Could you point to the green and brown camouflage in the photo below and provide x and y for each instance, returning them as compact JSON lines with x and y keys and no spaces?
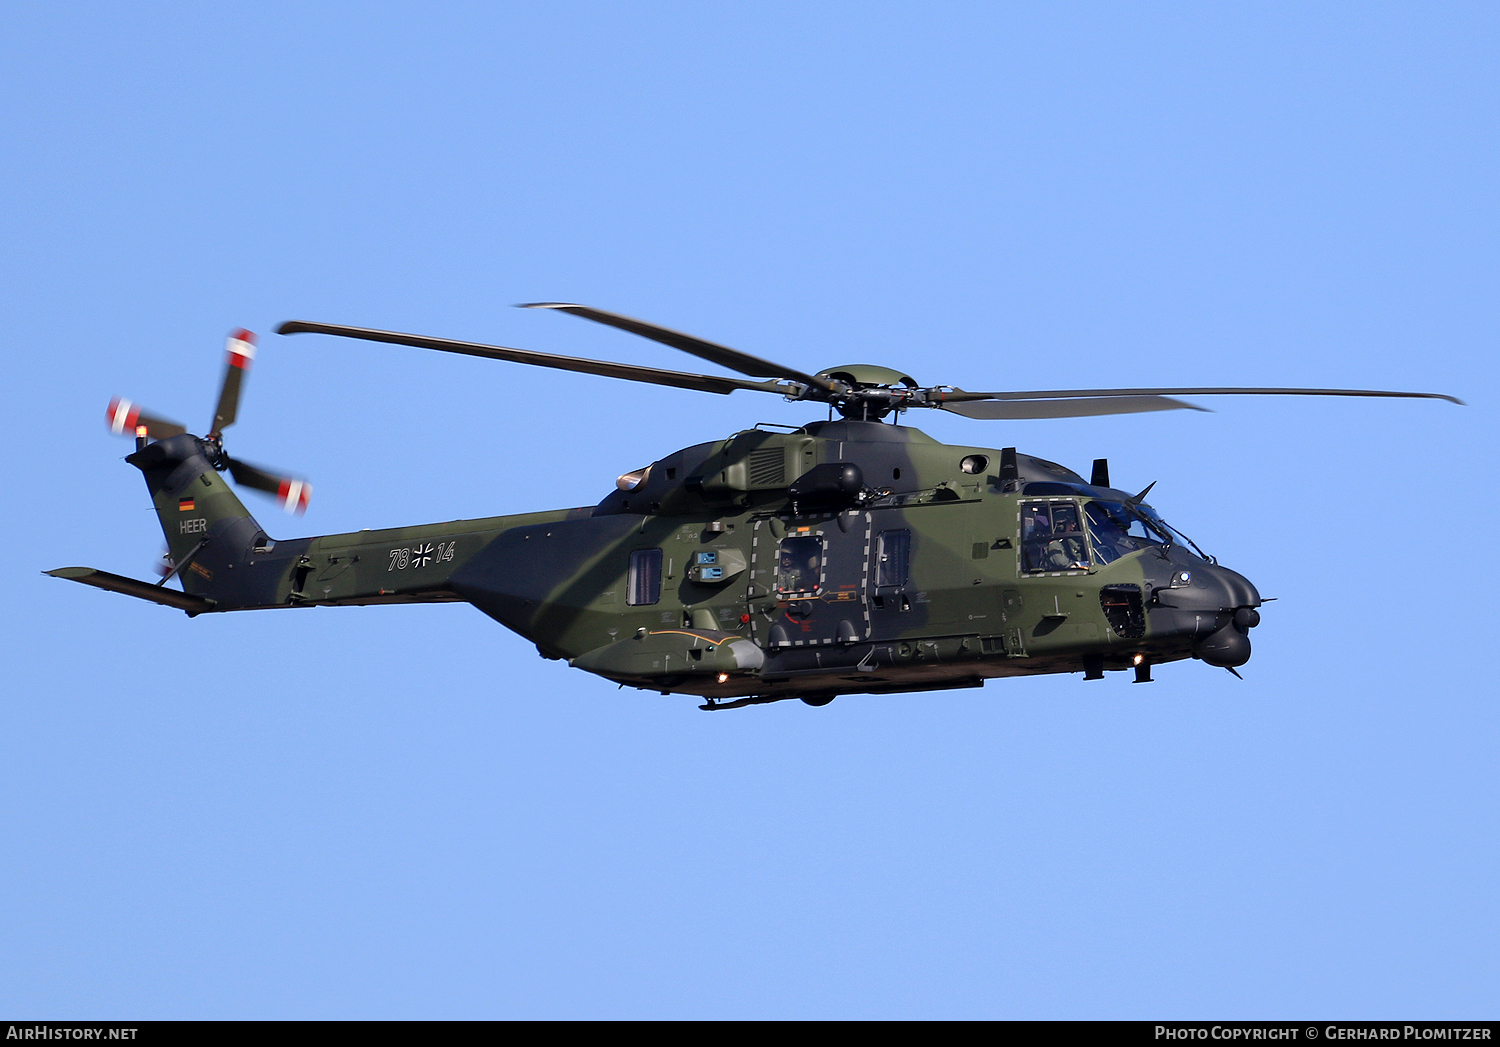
{"x":840,"y":557}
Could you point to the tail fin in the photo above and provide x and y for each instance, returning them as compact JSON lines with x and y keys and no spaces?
{"x":207,"y":527}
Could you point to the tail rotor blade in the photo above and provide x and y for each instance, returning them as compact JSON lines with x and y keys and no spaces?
{"x":293,"y":494}
{"x":247,"y":475}
{"x":125,"y":418}
{"x":241,"y":352}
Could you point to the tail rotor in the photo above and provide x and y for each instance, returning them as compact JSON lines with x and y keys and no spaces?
{"x":127,"y":418}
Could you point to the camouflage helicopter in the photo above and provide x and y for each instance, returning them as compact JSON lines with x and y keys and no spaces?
{"x":848,"y":555}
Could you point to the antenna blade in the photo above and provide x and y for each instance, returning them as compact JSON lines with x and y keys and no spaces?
{"x":124,"y":417}
{"x":703,"y":383}
{"x":722,"y":355}
{"x":241,"y":353}
{"x":1010,"y":469}
{"x":960,"y":396}
{"x":1069,"y":408}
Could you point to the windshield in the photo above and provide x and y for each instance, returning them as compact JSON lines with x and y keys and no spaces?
{"x":1116,"y":531}
{"x":1166,"y":530}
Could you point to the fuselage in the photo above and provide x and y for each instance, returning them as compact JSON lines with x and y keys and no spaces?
{"x":842,"y":557}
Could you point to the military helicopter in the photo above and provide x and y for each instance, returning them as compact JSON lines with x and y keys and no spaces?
{"x":847,"y":555}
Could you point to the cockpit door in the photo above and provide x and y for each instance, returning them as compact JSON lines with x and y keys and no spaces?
{"x":817,"y":573}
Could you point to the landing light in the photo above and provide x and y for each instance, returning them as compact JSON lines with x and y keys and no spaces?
{"x":723,"y":677}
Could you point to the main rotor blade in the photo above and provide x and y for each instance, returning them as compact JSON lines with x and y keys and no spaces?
{"x":1067,"y":408}
{"x":722,"y":355}
{"x":124,"y":417}
{"x":959,"y":395}
{"x":703,"y":383}
{"x":293,"y":494}
{"x":241,"y":351}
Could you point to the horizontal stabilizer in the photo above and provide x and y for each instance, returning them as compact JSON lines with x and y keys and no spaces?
{"x":118,"y":583}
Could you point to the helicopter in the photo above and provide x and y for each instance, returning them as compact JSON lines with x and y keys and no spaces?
{"x":848,"y":555}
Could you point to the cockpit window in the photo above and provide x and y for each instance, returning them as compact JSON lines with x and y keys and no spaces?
{"x":1116,"y":531}
{"x":1052,"y":537}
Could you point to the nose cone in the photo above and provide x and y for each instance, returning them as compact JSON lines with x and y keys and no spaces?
{"x":1208,"y":588}
{"x":1235,"y":587}
{"x":1228,"y":647}
{"x":1217,"y":605}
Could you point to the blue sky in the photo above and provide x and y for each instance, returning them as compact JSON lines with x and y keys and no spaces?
{"x":403,"y":812}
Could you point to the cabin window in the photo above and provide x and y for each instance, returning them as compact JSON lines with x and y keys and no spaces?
{"x":1052,"y":537}
{"x":644,"y":585}
{"x":799,"y":571}
{"x":1116,"y":531}
{"x":892,"y":555}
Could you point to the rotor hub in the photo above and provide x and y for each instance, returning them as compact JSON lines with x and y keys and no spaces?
{"x":869,"y":392}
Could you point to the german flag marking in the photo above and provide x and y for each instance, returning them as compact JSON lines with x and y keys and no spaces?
{"x":184,"y":505}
